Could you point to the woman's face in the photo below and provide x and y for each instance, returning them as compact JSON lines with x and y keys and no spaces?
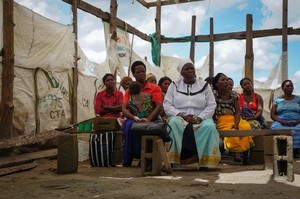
{"x":247,"y":86}
{"x":188,"y":71}
{"x":222,"y":83}
{"x":230,"y":84}
{"x":109,"y":82}
{"x":288,"y":87}
{"x":152,"y":80}
{"x":165,"y":85}
{"x":140,"y":73}
{"x":126,"y":85}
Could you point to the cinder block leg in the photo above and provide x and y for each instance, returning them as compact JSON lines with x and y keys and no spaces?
{"x":151,"y":160}
{"x":67,"y":154}
{"x":283,"y":162}
{"x":163,"y":154}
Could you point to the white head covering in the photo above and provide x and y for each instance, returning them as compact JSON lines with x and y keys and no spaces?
{"x":183,"y":62}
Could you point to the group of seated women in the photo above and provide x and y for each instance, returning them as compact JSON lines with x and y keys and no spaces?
{"x":194,"y":110}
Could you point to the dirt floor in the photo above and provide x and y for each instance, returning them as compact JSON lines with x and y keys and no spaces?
{"x":228,"y":180}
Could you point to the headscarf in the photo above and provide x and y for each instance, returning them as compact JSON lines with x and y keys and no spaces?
{"x":149,"y":75}
{"x":124,"y":80}
{"x":183,"y":62}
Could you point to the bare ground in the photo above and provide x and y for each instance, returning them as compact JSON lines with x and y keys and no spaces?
{"x":228,"y":180}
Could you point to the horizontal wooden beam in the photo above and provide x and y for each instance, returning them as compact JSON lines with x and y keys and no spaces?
{"x":86,"y":7}
{"x":17,"y":168}
{"x":242,"y":133}
{"x":170,"y":2}
{"x":26,"y":157}
{"x":23,"y":140}
{"x":144,"y":3}
{"x":236,"y":35}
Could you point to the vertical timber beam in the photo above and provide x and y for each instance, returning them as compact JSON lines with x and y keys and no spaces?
{"x":284,"y":62}
{"x":211,"y":48}
{"x":75,"y":71}
{"x":112,"y":19}
{"x":249,"y":58}
{"x":193,"y":33}
{"x":158,"y":28}
{"x":7,"y":106}
{"x":113,"y":24}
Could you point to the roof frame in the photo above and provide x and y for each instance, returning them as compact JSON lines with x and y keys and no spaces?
{"x":165,"y":2}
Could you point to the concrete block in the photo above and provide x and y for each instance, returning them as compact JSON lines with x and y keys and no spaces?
{"x":297,"y":166}
{"x":257,"y":157}
{"x":259,"y":143}
{"x":268,"y":161}
{"x":151,"y":160}
{"x":268,"y":145}
{"x":283,"y":163}
{"x":118,"y":141}
{"x":118,"y":157}
{"x":67,"y":154}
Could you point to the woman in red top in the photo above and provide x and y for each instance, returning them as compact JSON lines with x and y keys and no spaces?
{"x":132,"y":144}
{"x":251,"y":105}
{"x":109,"y":101}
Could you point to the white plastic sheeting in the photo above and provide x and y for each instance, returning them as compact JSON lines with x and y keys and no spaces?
{"x":41,"y":42}
{"x":274,"y":79}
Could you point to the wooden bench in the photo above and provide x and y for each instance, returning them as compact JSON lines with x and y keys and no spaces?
{"x":261,"y":132}
{"x":277,"y":149}
{"x":153,"y":156}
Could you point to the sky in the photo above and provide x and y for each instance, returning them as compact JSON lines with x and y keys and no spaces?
{"x":228,"y":15}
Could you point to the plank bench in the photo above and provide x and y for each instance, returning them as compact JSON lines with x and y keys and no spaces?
{"x":275,"y":147}
{"x":261,"y":132}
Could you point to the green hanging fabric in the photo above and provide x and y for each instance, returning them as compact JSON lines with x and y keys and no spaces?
{"x":155,"y":49}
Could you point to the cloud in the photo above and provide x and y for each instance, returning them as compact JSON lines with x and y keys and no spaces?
{"x":48,"y":9}
{"x":242,"y":6}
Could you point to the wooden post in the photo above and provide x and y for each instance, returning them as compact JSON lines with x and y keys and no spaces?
{"x":211,"y":48}
{"x":193,"y":32}
{"x":113,"y":24}
{"x":7,"y":106}
{"x":75,"y":71}
{"x":158,"y":28}
{"x":284,"y":61}
{"x":112,"y":20}
{"x":249,"y":48}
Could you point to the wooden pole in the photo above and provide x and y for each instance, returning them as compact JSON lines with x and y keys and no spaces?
{"x":86,"y":7}
{"x":193,"y":33}
{"x":75,"y":71}
{"x":112,"y":20}
{"x":249,"y":58}
{"x":211,"y":48}
{"x":7,"y":106}
{"x":284,"y":61}
{"x":113,"y":25}
{"x":158,"y":28}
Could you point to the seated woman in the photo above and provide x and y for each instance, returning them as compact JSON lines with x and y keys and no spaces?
{"x":285,"y":112}
{"x":124,"y":83}
{"x":190,"y":103}
{"x":150,"y":77}
{"x":227,"y":115}
{"x":230,"y":83}
{"x":251,"y":105}
{"x":109,"y":101}
{"x":164,"y":83}
{"x":209,"y":80}
{"x":132,"y":144}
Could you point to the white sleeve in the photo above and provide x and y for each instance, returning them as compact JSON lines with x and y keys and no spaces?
{"x":211,"y":104}
{"x":168,"y":103}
